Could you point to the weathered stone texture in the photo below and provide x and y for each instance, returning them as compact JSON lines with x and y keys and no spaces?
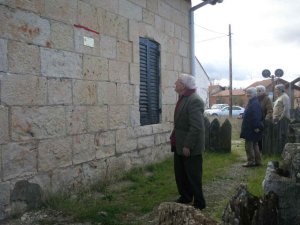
{"x":66,"y":178}
{"x":54,"y":153}
{"x":84,"y":92}
{"x":107,"y":93}
{"x":36,"y":6}
{"x":23,"y":90}
{"x":124,"y":94}
{"x":77,"y":107}
{"x":87,"y":16}
{"x":19,"y":159}
{"x":130,"y":10}
{"x":59,"y":91}
{"x":119,"y":71}
{"x":4,"y":193}
{"x":62,"y":36}
{"x":24,"y":26}
{"x":37,"y":122}
{"x":144,"y":142}
{"x":168,"y":97}
{"x":76,"y":119}
{"x":97,"y":118}
{"x":60,"y":63}
{"x":4,"y":135}
{"x":83,"y":148}
{"x":61,"y":10}
{"x":125,"y":140}
{"x":3,"y":55}
{"x":108,"y":47}
{"x":124,"y":51}
{"x":23,"y":58}
{"x":118,"y":116}
{"x":95,"y":68}
{"x":134,"y":74}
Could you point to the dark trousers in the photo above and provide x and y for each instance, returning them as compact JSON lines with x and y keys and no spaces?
{"x":188,"y":175}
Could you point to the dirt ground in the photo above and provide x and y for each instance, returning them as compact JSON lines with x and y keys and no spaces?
{"x":221,"y":189}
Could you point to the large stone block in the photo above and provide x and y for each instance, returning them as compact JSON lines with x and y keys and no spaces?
{"x":105,"y":144}
{"x":76,"y":119}
{"x":37,"y":122}
{"x":36,"y":6}
{"x":168,"y":96}
{"x":84,"y":92}
{"x":118,"y":116}
{"x":83,"y":148}
{"x":130,"y":10}
{"x":59,"y":91}
{"x":61,"y":10}
{"x":4,"y":135}
{"x":87,"y":15}
{"x":119,"y":71}
{"x":54,"y":153}
{"x":107,"y":93}
{"x":134,"y":73}
{"x":23,"y":90}
{"x":56,"y":63}
{"x":24,"y":26}
{"x":66,"y":178}
{"x":19,"y":159}
{"x":108,"y":47}
{"x":95,"y":68}
{"x":125,"y":140}
{"x":97,"y":118}
{"x":62,"y":36}
{"x":144,"y":142}
{"x":3,"y":55}
{"x":125,"y":94}
{"x":109,"y":5}
{"x":23,"y":58}
{"x":124,"y":51}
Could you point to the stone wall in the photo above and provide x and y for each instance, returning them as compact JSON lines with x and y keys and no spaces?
{"x":69,"y":113}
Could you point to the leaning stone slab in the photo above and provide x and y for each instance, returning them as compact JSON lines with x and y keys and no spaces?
{"x":25,"y":196}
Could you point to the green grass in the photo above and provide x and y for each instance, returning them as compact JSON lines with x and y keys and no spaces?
{"x":140,"y":190}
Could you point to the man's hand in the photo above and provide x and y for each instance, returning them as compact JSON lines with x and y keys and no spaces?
{"x":256,"y":130}
{"x":186,"y":151}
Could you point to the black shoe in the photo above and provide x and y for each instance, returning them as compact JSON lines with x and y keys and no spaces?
{"x":196,"y":206}
{"x":182,"y":201}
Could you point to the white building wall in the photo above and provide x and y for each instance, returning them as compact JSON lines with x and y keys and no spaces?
{"x":203,"y":82}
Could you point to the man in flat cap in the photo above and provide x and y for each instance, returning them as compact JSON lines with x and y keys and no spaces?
{"x":282,"y":105}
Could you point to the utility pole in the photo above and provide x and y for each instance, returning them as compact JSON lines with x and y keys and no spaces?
{"x":230,"y":73}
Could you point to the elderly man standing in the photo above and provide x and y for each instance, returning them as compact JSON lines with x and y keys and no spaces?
{"x":282,"y":105}
{"x":188,"y":142}
{"x":267,"y":109}
{"x":252,"y":127}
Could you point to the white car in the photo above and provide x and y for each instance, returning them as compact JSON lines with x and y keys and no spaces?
{"x":215,"y":109}
{"x":237,"y":111}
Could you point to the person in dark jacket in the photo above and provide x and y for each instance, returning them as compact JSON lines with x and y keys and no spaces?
{"x":252,"y":127}
{"x":188,"y":142}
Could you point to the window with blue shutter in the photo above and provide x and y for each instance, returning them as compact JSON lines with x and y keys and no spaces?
{"x":149,"y":82}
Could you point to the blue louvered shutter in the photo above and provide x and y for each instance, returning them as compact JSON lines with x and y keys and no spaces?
{"x":149,"y":82}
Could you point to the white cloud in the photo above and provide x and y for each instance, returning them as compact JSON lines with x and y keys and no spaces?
{"x":265,"y":35}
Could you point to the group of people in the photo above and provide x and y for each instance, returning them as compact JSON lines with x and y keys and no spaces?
{"x":188,"y":136}
{"x":259,"y":109}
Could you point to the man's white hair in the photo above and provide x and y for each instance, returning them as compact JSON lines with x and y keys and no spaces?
{"x":260,"y":89}
{"x":188,"y":80}
{"x":251,"y":91}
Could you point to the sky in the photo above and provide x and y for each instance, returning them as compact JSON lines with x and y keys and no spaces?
{"x":265,"y":34}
